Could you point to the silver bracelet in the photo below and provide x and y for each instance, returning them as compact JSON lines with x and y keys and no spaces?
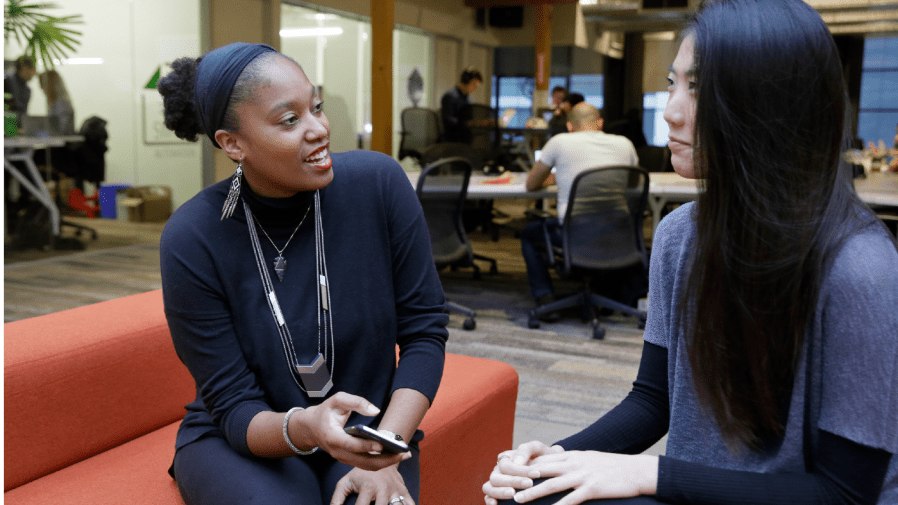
{"x":287,"y":436}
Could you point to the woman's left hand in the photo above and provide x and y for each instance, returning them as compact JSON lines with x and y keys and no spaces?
{"x":592,"y":475}
{"x":379,"y":486}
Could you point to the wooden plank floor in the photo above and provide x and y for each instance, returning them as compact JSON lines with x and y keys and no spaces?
{"x":567,"y":379}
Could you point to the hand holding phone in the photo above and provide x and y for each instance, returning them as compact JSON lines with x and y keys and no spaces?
{"x":392,"y":443}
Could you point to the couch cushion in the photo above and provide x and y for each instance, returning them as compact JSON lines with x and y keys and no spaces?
{"x":470,"y":422}
{"x":135,"y":473}
{"x":76,"y":387}
{"x":84,"y":380}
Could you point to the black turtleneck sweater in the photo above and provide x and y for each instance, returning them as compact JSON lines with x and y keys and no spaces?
{"x":384,"y":291}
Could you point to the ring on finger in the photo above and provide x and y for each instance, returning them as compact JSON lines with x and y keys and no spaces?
{"x":502,"y":456}
{"x":398,"y":499}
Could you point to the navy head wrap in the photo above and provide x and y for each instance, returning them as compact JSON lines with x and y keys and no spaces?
{"x":215,"y":78}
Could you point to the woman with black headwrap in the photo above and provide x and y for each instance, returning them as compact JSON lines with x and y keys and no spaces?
{"x":287,"y":290}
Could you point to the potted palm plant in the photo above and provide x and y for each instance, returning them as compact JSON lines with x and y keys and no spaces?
{"x":45,"y":37}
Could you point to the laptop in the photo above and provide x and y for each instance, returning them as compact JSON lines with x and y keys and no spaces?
{"x":39,"y":126}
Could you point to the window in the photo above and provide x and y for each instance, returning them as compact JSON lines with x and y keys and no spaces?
{"x":654,"y":126}
{"x":517,"y":93}
{"x":878,"y":114}
{"x":591,"y":87}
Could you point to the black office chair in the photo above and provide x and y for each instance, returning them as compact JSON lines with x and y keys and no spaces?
{"x":654,"y":158}
{"x":420,"y":129}
{"x":479,"y":213}
{"x":601,"y":233}
{"x":442,"y":188}
{"x":891,"y":222}
{"x":84,"y":162}
{"x":440,"y":150}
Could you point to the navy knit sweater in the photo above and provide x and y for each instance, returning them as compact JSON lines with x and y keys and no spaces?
{"x":384,"y":291}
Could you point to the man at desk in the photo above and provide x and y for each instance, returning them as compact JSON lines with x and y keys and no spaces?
{"x":454,"y":101}
{"x":16,"y":84}
{"x":559,"y":120}
{"x":585,"y":147}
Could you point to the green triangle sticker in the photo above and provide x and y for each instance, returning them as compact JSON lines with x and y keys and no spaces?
{"x":154,"y":79}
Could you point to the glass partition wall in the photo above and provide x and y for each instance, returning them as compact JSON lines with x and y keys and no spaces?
{"x":112,"y":74}
{"x":335,"y":53}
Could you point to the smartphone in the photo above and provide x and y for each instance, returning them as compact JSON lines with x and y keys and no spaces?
{"x":390,"y":445}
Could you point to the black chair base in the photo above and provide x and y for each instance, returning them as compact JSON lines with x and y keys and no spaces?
{"x":469,"y":323}
{"x":590,"y":302}
{"x":476,"y":268}
{"x":493,"y":268}
{"x":79,"y":229}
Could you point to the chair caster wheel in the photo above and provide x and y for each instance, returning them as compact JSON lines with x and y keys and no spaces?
{"x":598,"y":331}
{"x":469,"y":324}
{"x":532,"y":322}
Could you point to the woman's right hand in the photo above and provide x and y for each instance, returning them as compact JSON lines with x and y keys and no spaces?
{"x":324,"y":425}
{"x":512,"y":471}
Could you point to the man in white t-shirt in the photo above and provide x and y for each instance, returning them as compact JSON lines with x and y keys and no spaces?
{"x":585,"y":147}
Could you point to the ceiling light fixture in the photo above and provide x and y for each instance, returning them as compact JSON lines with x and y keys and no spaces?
{"x":311,"y":32}
{"x":79,"y":61}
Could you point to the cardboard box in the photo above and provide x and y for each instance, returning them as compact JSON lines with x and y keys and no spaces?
{"x":148,"y":203}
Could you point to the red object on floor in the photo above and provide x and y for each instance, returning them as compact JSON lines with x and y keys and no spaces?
{"x":78,"y":201}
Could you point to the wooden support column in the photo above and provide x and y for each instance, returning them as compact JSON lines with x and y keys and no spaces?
{"x":382,"y":14}
{"x":543,"y":46}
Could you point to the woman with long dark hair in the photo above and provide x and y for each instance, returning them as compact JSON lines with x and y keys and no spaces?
{"x":771,"y":347}
{"x":287,"y":291}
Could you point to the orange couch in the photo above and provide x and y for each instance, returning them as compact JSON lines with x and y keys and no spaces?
{"x":94,"y":395}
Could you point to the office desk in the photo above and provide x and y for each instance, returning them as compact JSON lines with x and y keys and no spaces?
{"x":505,"y":139}
{"x":877,"y":189}
{"x":477,"y":190}
{"x":21,"y":148}
{"x":668,"y":187}
{"x":533,"y":139}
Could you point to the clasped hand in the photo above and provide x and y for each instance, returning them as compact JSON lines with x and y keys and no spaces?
{"x":587,"y":474}
{"x":326,"y":422}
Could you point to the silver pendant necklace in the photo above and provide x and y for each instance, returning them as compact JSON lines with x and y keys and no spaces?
{"x":280,"y":264}
{"x":317,"y":376}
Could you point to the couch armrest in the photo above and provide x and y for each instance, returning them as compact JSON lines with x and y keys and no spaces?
{"x":470,"y":422}
{"x":81,"y":381}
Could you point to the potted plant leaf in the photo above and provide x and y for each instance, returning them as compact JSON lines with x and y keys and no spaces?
{"x":44,"y":37}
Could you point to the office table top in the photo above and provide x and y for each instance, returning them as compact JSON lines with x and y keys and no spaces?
{"x":38,"y":142}
{"x":878,"y":188}
{"x":488,"y":187}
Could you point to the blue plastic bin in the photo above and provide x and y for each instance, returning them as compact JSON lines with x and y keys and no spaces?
{"x":108,"y":199}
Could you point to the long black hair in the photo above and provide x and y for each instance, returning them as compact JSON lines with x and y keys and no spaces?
{"x":778,"y":203}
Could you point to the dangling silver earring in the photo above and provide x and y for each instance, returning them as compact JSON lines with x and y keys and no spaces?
{"x":233,"y":194}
